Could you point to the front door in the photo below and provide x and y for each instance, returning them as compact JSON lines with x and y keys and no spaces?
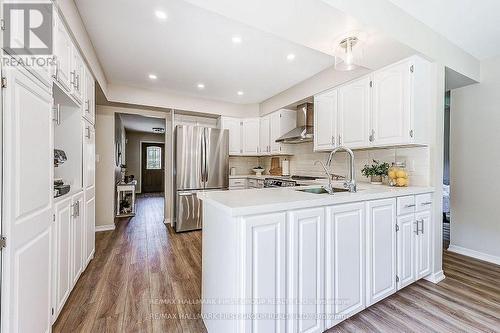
{"x":153,"y":167}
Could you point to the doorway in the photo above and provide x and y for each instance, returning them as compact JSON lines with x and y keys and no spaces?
{"x":152,"y":167}
{"x":446,"y":172}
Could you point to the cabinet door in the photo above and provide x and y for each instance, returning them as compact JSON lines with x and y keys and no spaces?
{"x":64,"y":283}
{"x":77,"y":78}
{"x":325,"y":120}
{"x":306,"y":270}
{"x":250,"y":136}
{"x":265,"y":276}
{"x":423,"y":244}
{"x":391,"y":105}
{"x":89,"y":96}
{"x":89,"y":215}
{"x":406,"y":239}
{"x":381,"y":250}
{"x":233,"y":125}
{"x":27,"y":204}
{"x":88,"y":156}
{"x":275,"y":132}
{"x":354,"y":103}
{"x":264,"y":133}
{"x":78,"y":234}
{"x":345,"y":262}
{"x":62,"y":51}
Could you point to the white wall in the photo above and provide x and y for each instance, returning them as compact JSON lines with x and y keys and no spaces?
{"x":474,"y":160}
{"x":134,"y":152}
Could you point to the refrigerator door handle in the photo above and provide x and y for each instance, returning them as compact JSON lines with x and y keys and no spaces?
{"x":205,"y":156}
{"x":202,"y":160}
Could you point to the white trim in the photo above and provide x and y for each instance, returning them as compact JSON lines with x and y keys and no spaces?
{"x":106,"y":227}
{"x":474,"y":254}
{"x":435,"y":277}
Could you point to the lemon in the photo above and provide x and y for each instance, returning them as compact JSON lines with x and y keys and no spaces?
{"x":401,"y":174}
{"x":402,"y":182}
{"x":392,"y":174}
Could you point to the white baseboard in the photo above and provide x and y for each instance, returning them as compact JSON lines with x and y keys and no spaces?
{"x":474,"y":254}
{"x":106,"y":227}
{"x":435,"y":277}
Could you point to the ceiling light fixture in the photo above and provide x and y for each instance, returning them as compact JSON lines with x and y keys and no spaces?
{"x":240,"y":93}
{"x":200,"y":86}
{"x":153,"y":76}
{"x":236,"y":40}
{"x":348,"y":54}
{"x":161,"y":15}
{"x":290,"y":57}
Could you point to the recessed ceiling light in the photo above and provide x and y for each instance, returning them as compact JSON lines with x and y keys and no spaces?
{"x":161,"y":15}
{"x":236,"y":40}
{"x":153,"y":76}
{"x":200,"y":86}
{"x":290,"y":57}
{"x":240,"y":93}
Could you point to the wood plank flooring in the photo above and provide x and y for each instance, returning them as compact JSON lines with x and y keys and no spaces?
{"x":145,"y":276}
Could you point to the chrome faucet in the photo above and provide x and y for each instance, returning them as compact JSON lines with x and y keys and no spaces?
{"x":351,"y":183}
{"x":329,"y":187}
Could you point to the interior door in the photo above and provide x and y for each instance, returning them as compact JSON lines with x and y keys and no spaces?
{"x":153,"y":167}
{"x":27,"y":203}
{"x":216,"y":157}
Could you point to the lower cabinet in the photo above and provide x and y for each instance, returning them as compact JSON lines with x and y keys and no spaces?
{"x":89,"y":247}
{"x":345,"y":262}
{"x":265,"y":277}
{"x":423,"y":246}
{"x":406,"y":250}
{"x":305,"y":270}
{"x":78,"y":234}
{"x":381,"y":251}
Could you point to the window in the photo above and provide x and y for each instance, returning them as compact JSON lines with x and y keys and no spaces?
{"x":153,"y":158}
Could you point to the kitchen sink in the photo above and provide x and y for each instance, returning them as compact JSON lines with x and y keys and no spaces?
{"x":321,"y":190}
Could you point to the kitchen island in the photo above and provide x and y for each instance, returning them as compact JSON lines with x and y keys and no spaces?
{"x":280,"y":259}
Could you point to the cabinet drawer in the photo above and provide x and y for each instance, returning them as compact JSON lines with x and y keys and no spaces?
{"x":252,"y":183}
{"x":406,"y":205}
{"x":238,"y":182}
{"x":423,"y":202}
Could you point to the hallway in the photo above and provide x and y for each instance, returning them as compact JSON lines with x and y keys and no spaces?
{"x":142,"y":266}
{"x":137,"y":270}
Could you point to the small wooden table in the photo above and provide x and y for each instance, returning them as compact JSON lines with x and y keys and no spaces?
{"x":121,"y":191}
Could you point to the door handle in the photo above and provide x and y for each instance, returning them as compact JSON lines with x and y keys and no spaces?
{"x":416,"y":225}
{"x":185,"y":194}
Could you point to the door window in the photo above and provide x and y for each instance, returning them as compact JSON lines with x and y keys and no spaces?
{"x":153,"y":158}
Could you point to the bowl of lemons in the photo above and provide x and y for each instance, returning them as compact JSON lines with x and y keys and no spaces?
{"x":398,"y":176}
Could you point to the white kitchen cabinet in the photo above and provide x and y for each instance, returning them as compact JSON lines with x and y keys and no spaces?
{"x":381,"y":250}
{"x":344,"y":262}
{"x":282,"y":121}
{"x":89,"y":189}
{"x":406,"y":239}
{"x":63,"y":254}
{"x":238,"y":183}
{"x":77,"y":75}
{"x":423,"y":248}
{"x":265,"y":272}
{"x":250,"y":136}
{"x":265,"y":135}
{"x":77,"y":237}
{"x":305,"y":275}
{"x":354,"y":100}
{"x":89,"y":96}
{"x":63,"y":50}
{"x":325,"y":120}
{"x":233,"y":125}
{"x":27,"y":202}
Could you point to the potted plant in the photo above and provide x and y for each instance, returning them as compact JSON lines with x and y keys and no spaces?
{"x":376,"y":171}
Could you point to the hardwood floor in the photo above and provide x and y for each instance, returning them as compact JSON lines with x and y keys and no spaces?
{"x":144,"y":277}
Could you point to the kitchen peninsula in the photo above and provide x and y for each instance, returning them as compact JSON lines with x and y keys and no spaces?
{"x":281,"y":259}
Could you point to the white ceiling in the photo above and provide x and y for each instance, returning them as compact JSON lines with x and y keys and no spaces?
{"x":194,"y":46}
{"x":137,"y":123}
{"x":473,"y":25}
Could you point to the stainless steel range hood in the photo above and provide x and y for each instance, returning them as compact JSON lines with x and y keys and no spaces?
{"x":304,"y":131}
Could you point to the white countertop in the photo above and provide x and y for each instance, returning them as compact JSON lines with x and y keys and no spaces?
{"x":249,"y":176}
{"x":260,"y":201}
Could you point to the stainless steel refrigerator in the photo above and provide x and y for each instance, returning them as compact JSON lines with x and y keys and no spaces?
{"x":201,"y":164}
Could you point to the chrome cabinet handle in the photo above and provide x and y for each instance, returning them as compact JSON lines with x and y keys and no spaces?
{"x":409,"y":206}
{"x":333,"y":140}
{"x":87,"y":106}
{"x":416,"y":227}
{"x":88,"y":132}
{"x":340,"y":140}
{"x":411,"y":133}
{"x":426,"y":203}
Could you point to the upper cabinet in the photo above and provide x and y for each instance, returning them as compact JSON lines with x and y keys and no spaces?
{"x":257,"y":136}
{"x":63,"y":48}
{"x":325,"y":120}
{"x":389,"y":107}
{"x":89,"y":96}
{"x":77,"y":75}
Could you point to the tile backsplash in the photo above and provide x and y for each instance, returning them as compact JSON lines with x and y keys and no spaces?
{"x":417,"y":161}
